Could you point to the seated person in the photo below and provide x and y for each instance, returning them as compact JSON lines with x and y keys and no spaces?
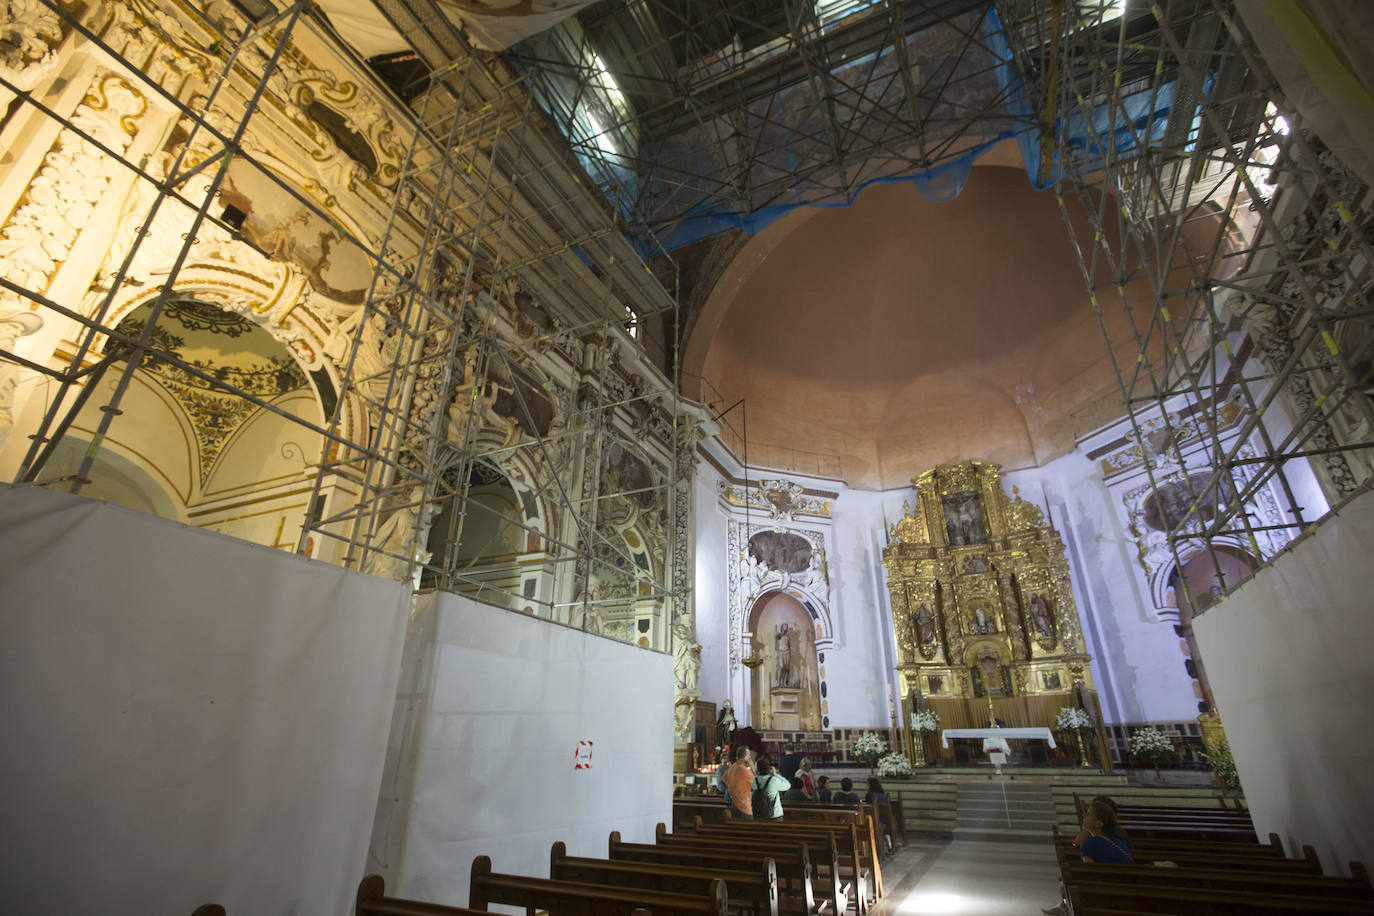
{"x":797,"y":792}
{"x":823,"y":788}
{"x":845,"y":796}
{"x":875,"y":791}
{"x":1102,"y":844}
{"x":1100,"y":840}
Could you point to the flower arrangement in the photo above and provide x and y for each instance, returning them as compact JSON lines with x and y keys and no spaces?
{"x":894,"y":765}
{"x":869,"y":747}
{"x":927,"y":721}
{"x":1151,"y":747}
{"x":1072,"y":720}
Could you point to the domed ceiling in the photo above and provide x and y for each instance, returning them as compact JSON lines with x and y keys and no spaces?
{"x":897,"y":333}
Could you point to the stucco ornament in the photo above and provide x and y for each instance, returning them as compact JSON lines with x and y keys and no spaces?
{"x":13,"y":325}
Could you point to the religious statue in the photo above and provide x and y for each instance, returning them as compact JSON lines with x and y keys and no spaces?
{"x":399,"y":543}
{"x":726,"y":725}
{"x":686,"y":657}
{"x":980,"y":621}
{"x":989,"y":671}
{"x":786,"y":672}
{"x":1040,"y":616}
{"x":925,"y":625}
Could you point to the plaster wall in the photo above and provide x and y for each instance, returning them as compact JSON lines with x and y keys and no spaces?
{"x":1137,"y":663}
{"x":492,"y":707}
{"x":189,"y":718}
{"x":712,"y":590}
{"x":860,"y":670}
{"x":1287,"y":656}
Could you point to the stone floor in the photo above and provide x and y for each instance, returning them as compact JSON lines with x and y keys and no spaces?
{"x":970,"y":879}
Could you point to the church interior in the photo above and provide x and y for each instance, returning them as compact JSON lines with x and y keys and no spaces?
{"x":439,"y":429}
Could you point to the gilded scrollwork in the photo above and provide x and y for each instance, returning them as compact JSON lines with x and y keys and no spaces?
{"x":987,"y":588}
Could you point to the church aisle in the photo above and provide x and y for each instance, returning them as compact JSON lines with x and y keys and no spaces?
{"x":970,"y":878}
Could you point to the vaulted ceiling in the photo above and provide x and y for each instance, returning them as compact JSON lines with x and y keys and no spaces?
{"x":876,"y":340}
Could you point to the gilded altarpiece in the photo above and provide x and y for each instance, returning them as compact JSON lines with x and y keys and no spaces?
{"x":982,"y":605}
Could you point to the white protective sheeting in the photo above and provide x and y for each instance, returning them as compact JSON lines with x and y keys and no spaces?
{"x":188,"y":718}
{"x":490,"y":26}
{"x":1288,"y":657}
{"x":483,"y":747}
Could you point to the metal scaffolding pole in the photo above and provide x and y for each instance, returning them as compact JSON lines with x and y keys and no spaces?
{"x":1224,"y":255}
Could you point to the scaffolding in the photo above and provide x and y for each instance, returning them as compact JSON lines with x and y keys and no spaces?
{"x":702,"y":117}
{"x":1226,"y":254}
{"x":502,"y":411}
{"x":511,"y":339}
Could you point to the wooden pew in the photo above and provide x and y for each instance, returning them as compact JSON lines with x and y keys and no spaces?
{"x":1221,"y":856}
{"x":793,"y":868}
{"x":853,"y":872}
{"x":827,"y":893}
{"x":570,"y":898}
{"x":372,"y":900}
{"x":1210,"y":877}
{"x":755,"y":890}
{"x":1097,"y":899}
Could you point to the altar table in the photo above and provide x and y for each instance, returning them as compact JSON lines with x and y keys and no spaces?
{"x":995,"y":739}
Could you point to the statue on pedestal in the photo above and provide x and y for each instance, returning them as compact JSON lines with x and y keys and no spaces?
{"x":786,"y":672}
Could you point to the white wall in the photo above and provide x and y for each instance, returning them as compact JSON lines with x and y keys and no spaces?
{"x":860,"y":670}
{"x":483,"y":751}
{"x":188,"y":718}
{"x":1288,"y":656}
{"x":712,"y":596}
{"x":1137,"y":664}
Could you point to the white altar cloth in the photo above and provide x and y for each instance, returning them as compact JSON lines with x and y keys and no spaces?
{"x":995,"y":739}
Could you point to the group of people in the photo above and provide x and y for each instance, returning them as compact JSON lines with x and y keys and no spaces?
{"x":755,"y":788}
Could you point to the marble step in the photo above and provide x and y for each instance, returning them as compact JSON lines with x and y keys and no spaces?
{"x":1003,"y":834}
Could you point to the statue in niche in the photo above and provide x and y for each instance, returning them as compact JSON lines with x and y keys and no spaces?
{"x":1050,"y":680}
{"x":975,"y":564}
{"x":726,"y":725}
{"x":988,"y":668}
{"x":925,"y":625}
{"x":786,"y":673}
{"x":964,"y":519}
{"x":1040,"y":617}
{"x":980,"y":621}
{"x":935,"y":684}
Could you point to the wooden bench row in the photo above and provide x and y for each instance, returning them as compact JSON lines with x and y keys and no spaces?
{"x":1208,"y":870}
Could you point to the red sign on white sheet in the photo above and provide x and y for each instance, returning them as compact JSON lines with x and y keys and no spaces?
{"x":582,"y":757}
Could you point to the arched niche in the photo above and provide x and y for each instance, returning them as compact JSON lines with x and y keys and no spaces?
{"x":1209,"y":574}
{"x":185,"y":448}
{"x":785,"y":688}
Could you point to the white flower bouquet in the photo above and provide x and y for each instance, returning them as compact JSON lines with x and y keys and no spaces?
{"x":926,"y":721}
{"x":1070,"y":719}
{"x":1151,"y":746}
{"x":869,"y":747}
{"x":894,"y":766}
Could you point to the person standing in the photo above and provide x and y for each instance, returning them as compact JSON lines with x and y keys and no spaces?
{"x":791,"y":760}
{"x":767,"y":788}
{"x":808,"y":781}
{"x":738,"y":780}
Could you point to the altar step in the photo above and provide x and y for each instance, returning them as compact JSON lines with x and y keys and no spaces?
{"x":1004,"y":812}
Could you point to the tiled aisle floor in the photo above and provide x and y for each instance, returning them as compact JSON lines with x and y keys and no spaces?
{"x":969,"y":879}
